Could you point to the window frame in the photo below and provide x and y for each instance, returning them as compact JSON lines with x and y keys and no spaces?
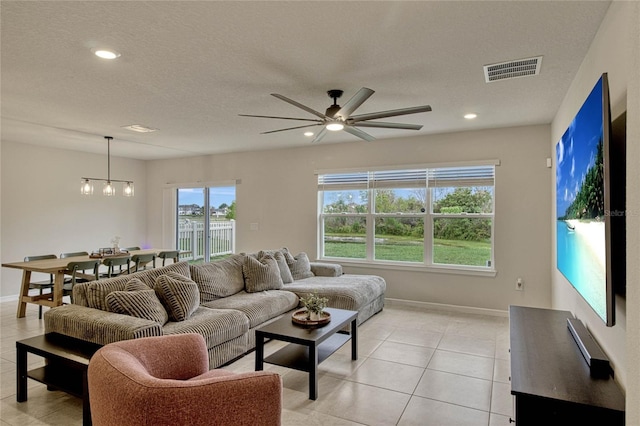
{"x":428,"y":217}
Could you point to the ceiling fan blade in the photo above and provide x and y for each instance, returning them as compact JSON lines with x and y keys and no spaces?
{"x":383,"y":125}
{"x":320,"y":135}
{"x":359,"y":133}
{"x":280,"y":118}
{"x":290,"y":128}
{"x":299,"y":105}
{"x":353,"y":103}
{"x":390,"y":113}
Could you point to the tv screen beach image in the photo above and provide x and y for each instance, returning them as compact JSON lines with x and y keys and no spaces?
{"x":580,"y":206}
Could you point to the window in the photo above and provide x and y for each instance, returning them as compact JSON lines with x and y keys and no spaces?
{"x":440,"y":216}
{"x":205,"y":222}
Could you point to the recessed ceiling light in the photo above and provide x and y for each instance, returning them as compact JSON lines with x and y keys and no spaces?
{"x":106,"y":54}
{"x":308,"y":134}
{"x":470,"y":116}
{"x":139,"y":128}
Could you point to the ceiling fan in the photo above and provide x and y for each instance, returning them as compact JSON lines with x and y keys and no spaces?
{"x":339,"y":118}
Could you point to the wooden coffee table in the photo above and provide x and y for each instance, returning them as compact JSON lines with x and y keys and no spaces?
{"x":67,"y":360}
{"x":309,"y":346}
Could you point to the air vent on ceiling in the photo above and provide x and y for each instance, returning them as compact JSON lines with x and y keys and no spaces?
{"x":512,"y":69}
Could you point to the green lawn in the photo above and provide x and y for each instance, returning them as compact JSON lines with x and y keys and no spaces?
{"x":451,"y":252}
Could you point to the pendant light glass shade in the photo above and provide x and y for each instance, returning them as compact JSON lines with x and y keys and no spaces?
{"x":109,"y":190}
{"x":127,"y":189}
{"x":86,"y":188}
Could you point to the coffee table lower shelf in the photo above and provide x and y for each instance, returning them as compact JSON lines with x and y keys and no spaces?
{"x":69,"y":381}
{"x":297,"y":356}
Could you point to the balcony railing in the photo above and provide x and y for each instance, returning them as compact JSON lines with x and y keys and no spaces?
{"x":191,"y":239}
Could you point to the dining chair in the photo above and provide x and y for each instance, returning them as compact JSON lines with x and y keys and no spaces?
{"x":119,"y":261}
{"x":77,"y":270}
{"x":143,"y":260}
{"x":169,"y":254}
{"x":73,"y":254}
{"x":41,"y":285}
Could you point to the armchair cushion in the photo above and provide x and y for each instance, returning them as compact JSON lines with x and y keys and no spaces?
{"x":178,"y":294}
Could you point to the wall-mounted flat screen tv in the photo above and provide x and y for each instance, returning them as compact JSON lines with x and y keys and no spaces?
{"x":586,"y":200}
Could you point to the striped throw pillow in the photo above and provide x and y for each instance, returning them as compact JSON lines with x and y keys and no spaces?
{"x":178,"y":294}
{"x":140,"y":304}
{"x":285,"y":272}
{"x":299,"y":265}
{"x":261,"y":274}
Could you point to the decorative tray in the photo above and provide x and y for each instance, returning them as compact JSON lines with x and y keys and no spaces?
{"x":300,"y":317}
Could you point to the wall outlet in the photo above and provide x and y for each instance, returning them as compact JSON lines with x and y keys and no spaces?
{"x":519,"y":284}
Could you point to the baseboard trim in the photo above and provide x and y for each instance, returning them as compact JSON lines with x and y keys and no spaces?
{"x":445,"y":307}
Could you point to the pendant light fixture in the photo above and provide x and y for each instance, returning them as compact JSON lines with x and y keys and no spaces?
{"x":109,"y":188}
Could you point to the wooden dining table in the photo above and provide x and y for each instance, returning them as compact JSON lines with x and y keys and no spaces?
{"x":58,"y":268}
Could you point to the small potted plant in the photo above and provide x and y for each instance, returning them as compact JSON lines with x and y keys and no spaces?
{"x":315,"y":306}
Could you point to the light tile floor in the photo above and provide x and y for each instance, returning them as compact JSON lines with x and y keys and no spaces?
{"x":415,"y":367}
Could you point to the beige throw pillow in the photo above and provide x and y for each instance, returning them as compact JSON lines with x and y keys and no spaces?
{"x":299,"y":265}
{"x":285,"y":272}
{"x":262,"y":274}
{"x":218,"y":279}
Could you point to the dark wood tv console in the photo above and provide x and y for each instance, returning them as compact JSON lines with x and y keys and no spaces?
{"x":549,"y":377}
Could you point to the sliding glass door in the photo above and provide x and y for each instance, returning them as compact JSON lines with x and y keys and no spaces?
{"x":205,"y":228}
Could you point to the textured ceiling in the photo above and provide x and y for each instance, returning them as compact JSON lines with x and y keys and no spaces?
{"x":189,"y":68}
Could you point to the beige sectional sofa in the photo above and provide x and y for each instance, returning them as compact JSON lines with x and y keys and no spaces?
{"x":224,"y":301}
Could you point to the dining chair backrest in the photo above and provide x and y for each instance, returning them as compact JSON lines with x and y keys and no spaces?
{"x":132,"y":248}
{"x":142,"y":260}
{"x":169,"y":254}
{"x":73,"y":268}
{"x":119,"y":261}
{"x":41,"y":257}
{"x":83,"y":266}
{"x":73,"y":254}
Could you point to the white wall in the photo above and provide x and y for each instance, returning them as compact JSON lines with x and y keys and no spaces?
{"x":614,"y":50}
{"x":278,"y":191}
{"x":43,"y":211}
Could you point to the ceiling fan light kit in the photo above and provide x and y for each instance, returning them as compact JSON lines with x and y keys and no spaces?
{"x":338,"y":118}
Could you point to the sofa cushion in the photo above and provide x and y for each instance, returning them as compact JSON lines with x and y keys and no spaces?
{"x":219,"y":279}
{"x":97,"y":291}
{"x":217,"y":326}
{"x":344,"y":292}
{"x":178,"y":294}
{"x":258,"y":307}
{"x":278,"y":255}
{"x":138,"y":303}
{"x":149,"y":276}
{"x":299,"y":265}
{"x":135,"y":284}
{"x":261,"y":274}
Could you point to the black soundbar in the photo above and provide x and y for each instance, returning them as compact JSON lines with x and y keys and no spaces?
{"x":596,"y":359}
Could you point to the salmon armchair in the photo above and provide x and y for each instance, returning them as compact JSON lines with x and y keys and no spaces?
{"x":166,"y":380}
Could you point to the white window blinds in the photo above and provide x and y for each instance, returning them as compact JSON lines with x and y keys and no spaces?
{"x":482,"y":175}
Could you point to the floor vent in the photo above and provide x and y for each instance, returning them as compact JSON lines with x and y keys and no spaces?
{"x":512,"y":69}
